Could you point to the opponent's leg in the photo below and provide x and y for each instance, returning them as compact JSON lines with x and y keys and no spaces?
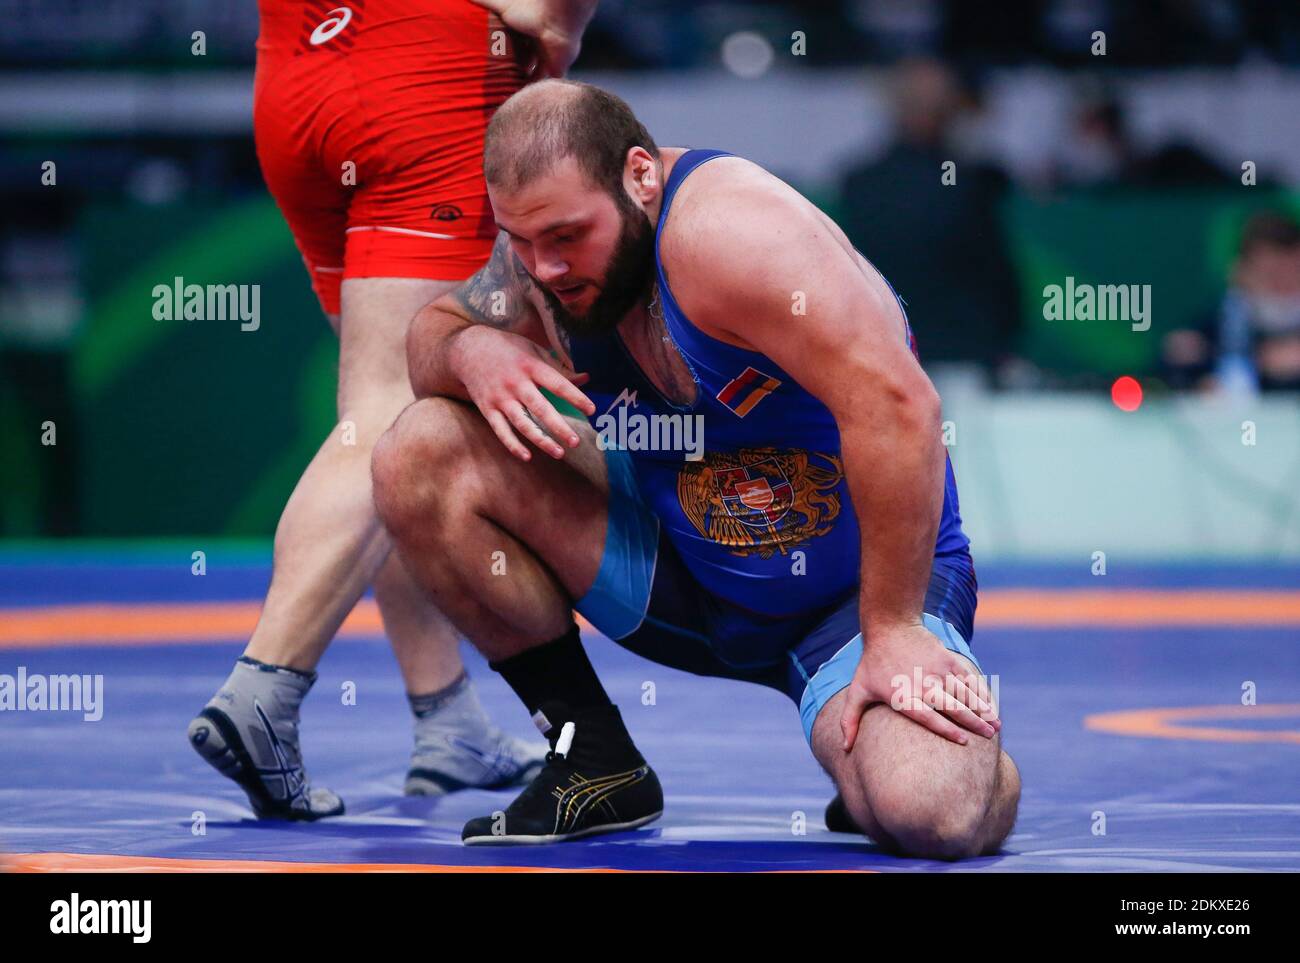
{"x":527,"y":539}
{"x":329,"y":546}
{"x":456,"y":745}
{"x":915,"y":793}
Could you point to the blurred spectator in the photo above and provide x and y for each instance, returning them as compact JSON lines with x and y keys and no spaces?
{"x":1252,"y":342}
{"x":1180,"y":164}
{"x":937,"y":239}
{"x":1100,"y":153}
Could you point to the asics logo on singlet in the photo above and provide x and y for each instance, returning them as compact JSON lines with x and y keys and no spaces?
{"x":626,"y":397}
{"x":332,"y":26}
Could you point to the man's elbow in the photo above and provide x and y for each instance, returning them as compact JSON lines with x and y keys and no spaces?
{"x":914,"y":404}
{"x":422,"y":386}
{"x":891,"y":413}
{"x":416,"y":356}
{"x":926,"y":406}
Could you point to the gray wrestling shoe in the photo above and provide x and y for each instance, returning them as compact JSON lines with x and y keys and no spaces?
{"x":248,"y":732}
{"x":457,"y":747}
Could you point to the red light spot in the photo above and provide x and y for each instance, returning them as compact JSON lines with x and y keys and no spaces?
{"x":1126,"y":393}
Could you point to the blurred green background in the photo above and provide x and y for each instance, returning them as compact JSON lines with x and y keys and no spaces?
{"x":184,"y":428}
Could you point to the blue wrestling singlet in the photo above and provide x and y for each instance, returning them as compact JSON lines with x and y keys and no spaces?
{"x":733,"y":548}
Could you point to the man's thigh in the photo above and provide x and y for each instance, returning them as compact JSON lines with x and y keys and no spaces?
{"x":453,"y":465}
{"x":376,"y":313}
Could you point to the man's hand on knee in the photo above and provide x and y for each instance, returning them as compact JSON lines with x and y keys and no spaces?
{"x":909,"y":670}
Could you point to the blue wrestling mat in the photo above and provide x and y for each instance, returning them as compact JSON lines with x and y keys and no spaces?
{"x":1122,"y":701}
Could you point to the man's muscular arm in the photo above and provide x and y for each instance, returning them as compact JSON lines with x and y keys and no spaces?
{"x":496,"y":296}
{"x":774,"y":274}
{"x":485,"y":343}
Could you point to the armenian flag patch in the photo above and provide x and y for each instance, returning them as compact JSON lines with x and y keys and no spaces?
{"x":742,"y":393}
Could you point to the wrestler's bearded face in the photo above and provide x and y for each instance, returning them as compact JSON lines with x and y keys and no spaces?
{"x":625,"y":282}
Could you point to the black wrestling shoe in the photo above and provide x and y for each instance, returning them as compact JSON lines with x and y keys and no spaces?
{"x":594,"y":781}
{"x":837,"y":817}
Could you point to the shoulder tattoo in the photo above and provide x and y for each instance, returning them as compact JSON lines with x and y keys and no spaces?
{"x":497,"y":294}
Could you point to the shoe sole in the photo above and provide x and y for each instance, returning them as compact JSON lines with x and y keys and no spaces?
{"x":509,"y":840}
{"x":224,"y":750}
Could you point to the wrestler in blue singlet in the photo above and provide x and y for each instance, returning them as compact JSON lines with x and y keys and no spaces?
{"x":742,"y":562}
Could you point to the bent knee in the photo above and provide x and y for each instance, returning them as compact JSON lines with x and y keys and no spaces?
{"x":917,"y":820}
{"x":936,"y":837}
{"x":416,"y":461}
{"x":920,"y":826}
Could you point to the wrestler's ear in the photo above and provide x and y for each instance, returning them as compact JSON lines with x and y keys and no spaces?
{"x":644,"y":174}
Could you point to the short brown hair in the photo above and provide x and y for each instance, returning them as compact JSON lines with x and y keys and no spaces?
{"x":548,"y":121}
{"x":1269,"y":229}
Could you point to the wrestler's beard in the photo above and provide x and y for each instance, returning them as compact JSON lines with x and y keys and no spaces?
{"x":627,"y":280}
